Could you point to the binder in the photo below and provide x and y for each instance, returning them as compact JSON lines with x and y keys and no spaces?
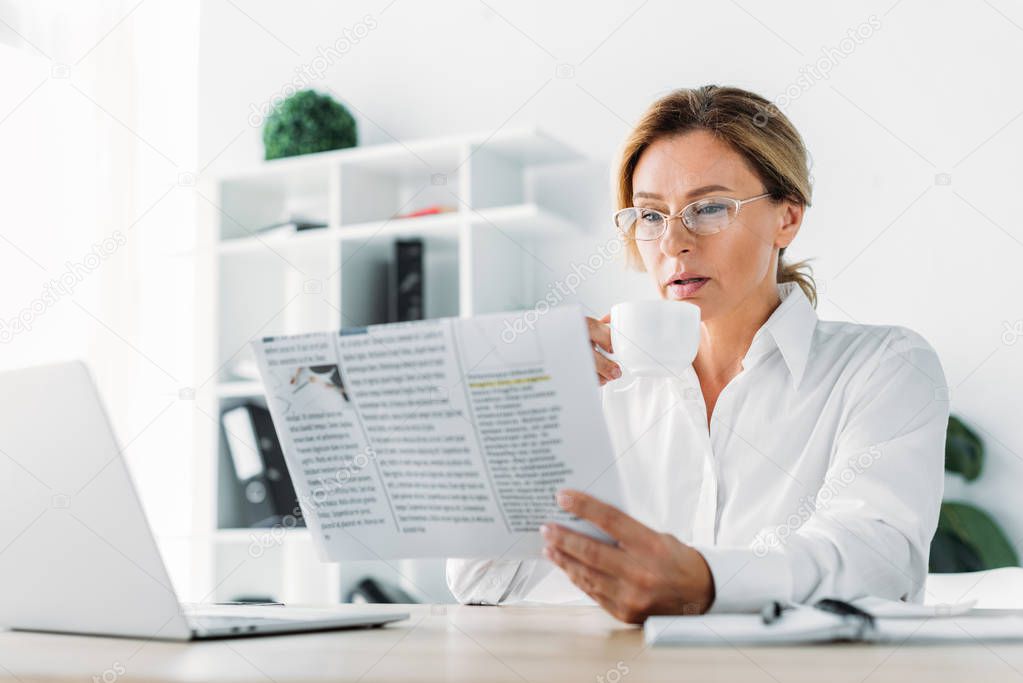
{"x":267,"y":491}
{"x":407,"y":297}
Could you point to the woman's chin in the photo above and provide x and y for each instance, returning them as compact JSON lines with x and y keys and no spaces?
{"x":699,"y":301}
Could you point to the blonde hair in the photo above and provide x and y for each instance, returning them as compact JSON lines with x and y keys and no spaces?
{"x":753,"y":127}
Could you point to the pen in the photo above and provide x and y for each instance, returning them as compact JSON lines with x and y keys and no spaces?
{"x":772,"y":611}
{"x":845,"y":609}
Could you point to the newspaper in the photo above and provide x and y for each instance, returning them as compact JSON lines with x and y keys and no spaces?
{"x":440,"y":438}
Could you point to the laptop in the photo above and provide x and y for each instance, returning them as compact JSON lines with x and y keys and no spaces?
{"x":76,"y":552}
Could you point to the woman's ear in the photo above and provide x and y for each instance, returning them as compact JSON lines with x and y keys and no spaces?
{"x":790,"y":217}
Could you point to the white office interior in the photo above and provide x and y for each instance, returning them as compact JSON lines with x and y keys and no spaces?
{"x":135,"y":170}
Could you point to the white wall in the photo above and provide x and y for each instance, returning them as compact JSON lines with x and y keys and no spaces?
{"x":97,"y":124}
{"x":930,"y":91}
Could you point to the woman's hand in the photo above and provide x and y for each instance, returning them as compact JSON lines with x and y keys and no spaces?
{"x":647,"y":572}
{"x":600,"y":335}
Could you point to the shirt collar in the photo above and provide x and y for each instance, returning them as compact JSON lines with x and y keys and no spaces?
{"x":790,"y":328}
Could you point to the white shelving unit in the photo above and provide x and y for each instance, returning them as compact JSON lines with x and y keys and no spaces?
{"x":253,"y":284}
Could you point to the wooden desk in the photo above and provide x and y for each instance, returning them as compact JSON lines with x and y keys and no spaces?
{"x":457,"y":643}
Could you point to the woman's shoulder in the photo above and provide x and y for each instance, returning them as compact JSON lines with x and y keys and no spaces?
{"x":871,"y":346}
{"x":877,"y":338}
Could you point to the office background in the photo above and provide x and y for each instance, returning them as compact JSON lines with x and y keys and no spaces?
{"x":115,"y":115}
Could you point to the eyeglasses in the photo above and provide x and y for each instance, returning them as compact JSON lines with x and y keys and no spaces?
{"x":703,"y":217}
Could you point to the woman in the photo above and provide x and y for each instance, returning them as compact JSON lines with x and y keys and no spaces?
{"x":797,"y":458}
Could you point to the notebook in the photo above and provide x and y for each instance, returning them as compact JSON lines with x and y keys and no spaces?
{"x":803,"y":625}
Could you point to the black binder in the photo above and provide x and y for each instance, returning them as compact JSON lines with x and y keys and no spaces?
{"x":267,"y":491}
{"x":407,"y":297}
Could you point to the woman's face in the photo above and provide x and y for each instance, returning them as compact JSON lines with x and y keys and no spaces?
{"x":739,"y":263}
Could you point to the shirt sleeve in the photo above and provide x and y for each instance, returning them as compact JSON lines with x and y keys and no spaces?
{"x":870,"y":529}
{"x":493,"y":582}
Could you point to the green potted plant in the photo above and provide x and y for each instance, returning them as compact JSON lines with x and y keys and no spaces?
{"x":967,"y":538}
{"x":308,"y":122}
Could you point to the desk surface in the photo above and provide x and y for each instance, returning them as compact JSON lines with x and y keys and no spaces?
{"x":457,"y":643}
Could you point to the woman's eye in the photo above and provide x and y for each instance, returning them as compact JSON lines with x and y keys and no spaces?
{"x":711,"y":209}
{"x":650,"y":216}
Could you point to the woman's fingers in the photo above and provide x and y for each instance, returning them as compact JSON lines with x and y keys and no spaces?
{"x":600,"y":332}
{"x":600,"y":335}
{"x":614,"y":522}
{"x":596,"y":584}
{"x":607,"y":370}
{"x":596,"y":554}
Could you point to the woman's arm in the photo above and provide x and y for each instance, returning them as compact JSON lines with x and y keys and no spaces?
{"x":492,"y":582}
{"x":869,"y":534}
{"x":876,"y":513}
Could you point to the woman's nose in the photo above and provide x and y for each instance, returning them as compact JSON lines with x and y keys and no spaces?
{"x":676,"y":238}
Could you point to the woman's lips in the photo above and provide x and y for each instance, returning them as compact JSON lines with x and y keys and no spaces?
{"x":683,"y":289}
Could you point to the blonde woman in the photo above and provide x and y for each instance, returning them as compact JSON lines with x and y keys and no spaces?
{"x":797,"y":458}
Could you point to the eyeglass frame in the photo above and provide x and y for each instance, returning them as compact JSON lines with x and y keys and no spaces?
{"x":739,"y":203}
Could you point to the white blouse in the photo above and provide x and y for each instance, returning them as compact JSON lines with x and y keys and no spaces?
{"x":821,"y":474}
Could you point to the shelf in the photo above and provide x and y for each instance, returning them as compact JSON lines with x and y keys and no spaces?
{"x":526,"y":147}
{"x":248,"y":535}
{"x":278,"y":240}
{"x":443,"y":225}
{"x":240,"y":389}
{"x":508,"y":199}
{"x":522,"y":219}
{"x":518,"y":218}
{"x":526,"y":219}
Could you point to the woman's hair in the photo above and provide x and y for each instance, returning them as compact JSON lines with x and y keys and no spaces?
{"x":753,"y":127}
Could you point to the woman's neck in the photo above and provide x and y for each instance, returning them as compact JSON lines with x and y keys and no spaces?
{"x":725,"y":339}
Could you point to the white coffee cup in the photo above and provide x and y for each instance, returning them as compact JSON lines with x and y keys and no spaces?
{"x":654,"y":338}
